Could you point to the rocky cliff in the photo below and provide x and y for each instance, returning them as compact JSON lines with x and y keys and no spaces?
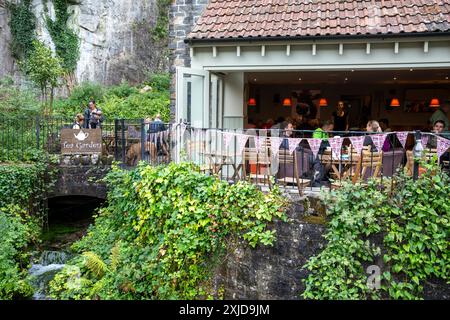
{"x":115,"y":38}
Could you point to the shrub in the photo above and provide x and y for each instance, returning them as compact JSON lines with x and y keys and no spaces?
{"x":164,"y":231}
{"x":413,"y":223}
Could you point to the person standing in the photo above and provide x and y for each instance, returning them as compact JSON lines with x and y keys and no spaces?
{"x":340,"y":117}
{"x":93,"y":116}
{"x":79,"y":122}
{"x":442,"y":114}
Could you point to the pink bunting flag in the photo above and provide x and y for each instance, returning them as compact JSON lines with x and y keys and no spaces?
{"x":402,"y":136}
{"x":293,"y":143}
{"x":227,"y":136}
{"x":442,"y":146}
{"x":242,"y":141}
{"x":259,"y":140}
{"x":275,"y":143}
{"x":424,"y":140}
{"x":314,"y":144}
{"x":357,"y":143}
{"x":336,"y":145}
{"x":378,"y":140}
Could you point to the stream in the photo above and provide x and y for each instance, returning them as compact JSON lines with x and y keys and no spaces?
{"x":69,"y":219}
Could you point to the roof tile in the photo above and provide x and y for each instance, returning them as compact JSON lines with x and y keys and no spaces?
{"x":293,"y":18}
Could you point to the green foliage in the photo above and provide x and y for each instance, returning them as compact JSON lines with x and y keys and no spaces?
{"x":22,"y":25}
{"x":164,"y":231}
{"x":15,"y":101}
{"x":159,"y":81}
{"x":66,"y":41}
{"x":413,"y":223}
{"x":121,"y":101}
{"x":160,"y":31}
{"x":16,"y":232}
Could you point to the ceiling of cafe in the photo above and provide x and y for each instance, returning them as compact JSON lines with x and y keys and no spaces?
{"x":408,"y":76}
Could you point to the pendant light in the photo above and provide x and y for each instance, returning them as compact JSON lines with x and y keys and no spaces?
{"x":287,"y":102}
{"x":323,"y":102}
{"x":435,"y":103}
{"x":395,"y":103}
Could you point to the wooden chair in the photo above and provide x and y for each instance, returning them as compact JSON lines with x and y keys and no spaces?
{"x":288,"y":159}
{"x":370,"y":163}
{"x":427,"y":154}
{"x":262,"y":162}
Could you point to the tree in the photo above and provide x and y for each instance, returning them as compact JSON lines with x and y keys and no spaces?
{"x":44,"y":69}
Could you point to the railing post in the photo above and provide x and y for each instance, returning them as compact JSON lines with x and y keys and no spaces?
{"x":417,"y":152}
{"x":116,"y":139}
{"x":142,"y":139}
{"x":122,"y":123}
{"x":38,"y":131}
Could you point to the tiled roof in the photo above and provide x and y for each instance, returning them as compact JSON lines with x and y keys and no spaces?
{"x":232,"y":19}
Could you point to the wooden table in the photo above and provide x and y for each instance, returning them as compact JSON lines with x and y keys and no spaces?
{"x":343,"y":167}
{"x":218,"y":160}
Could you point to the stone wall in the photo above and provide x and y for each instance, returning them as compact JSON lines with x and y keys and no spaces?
{"x":275,"y":273}
{"x":80,"y":175}
{"x":6,"y":60}
{"x":183,"y":15}
{"x":116,"y":42}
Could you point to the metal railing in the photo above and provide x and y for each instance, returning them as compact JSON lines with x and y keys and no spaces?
{"x":224,"y":153}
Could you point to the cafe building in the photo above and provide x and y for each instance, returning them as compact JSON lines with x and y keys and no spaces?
{"x":258,"y":60}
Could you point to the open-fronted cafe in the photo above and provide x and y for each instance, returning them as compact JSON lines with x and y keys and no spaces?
{"x":254,"y":64}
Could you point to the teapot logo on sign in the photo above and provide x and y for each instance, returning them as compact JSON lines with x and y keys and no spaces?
{"x":85,"y":141}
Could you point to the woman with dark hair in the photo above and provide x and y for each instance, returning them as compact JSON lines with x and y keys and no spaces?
{"x":340,"y":117}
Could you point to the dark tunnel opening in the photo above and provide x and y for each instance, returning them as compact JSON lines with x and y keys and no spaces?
{"x":68,"y":219}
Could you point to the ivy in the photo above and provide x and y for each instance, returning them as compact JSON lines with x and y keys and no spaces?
{"x":22,"y":25}
{"x":23,"y":187}
{"x":404,"y":231}
{"x":66,"y":41}
{"x":160,"y":31}
{"x":164,"y":232}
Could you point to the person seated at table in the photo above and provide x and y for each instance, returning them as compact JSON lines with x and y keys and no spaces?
{"x":438,"y":127}
{"x":287,"y":133}
{"x":384,"y":125}
{"x":323,"y":131}
{"x":372,"y":127}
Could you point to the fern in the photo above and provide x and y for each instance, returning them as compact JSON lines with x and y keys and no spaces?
{"x":94,"y":264}
{"x":115,"y":255}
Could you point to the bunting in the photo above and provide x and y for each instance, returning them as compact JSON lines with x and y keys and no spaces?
{"x":314,"y":144}
{"x":293,"y":143}
{"x":275,"y":143}
{"x":336,"y":146}
{"x":442,"y":146}
{"x":357,"y":143}
{"x":378,"y":140}
{"x":259,"y":140}
{"x":227,"y":136}
{"x":242,"y":141}
{"x":424,"y":140}
{"x":402,"y":136}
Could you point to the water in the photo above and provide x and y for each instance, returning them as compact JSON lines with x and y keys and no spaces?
{"x":44,"y":270}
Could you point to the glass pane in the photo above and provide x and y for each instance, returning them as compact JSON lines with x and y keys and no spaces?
{"x":193,"y":99}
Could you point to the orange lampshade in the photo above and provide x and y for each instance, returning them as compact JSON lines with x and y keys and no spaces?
{"x":434,"y":103}
{"x":323,"y":102}
{"x":287,"y":102}
{"x":252,"y":102}
{"x":395,"y":102}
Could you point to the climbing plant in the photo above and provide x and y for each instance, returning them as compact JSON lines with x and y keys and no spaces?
{"x":22,"y":25}
{"x":160,"y":31}
{"x":67,"y":44}
{"x":404,"y":232}
{"x":23,"y":187}
{"x":65,"y":40}
{"x":163,"y":233}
